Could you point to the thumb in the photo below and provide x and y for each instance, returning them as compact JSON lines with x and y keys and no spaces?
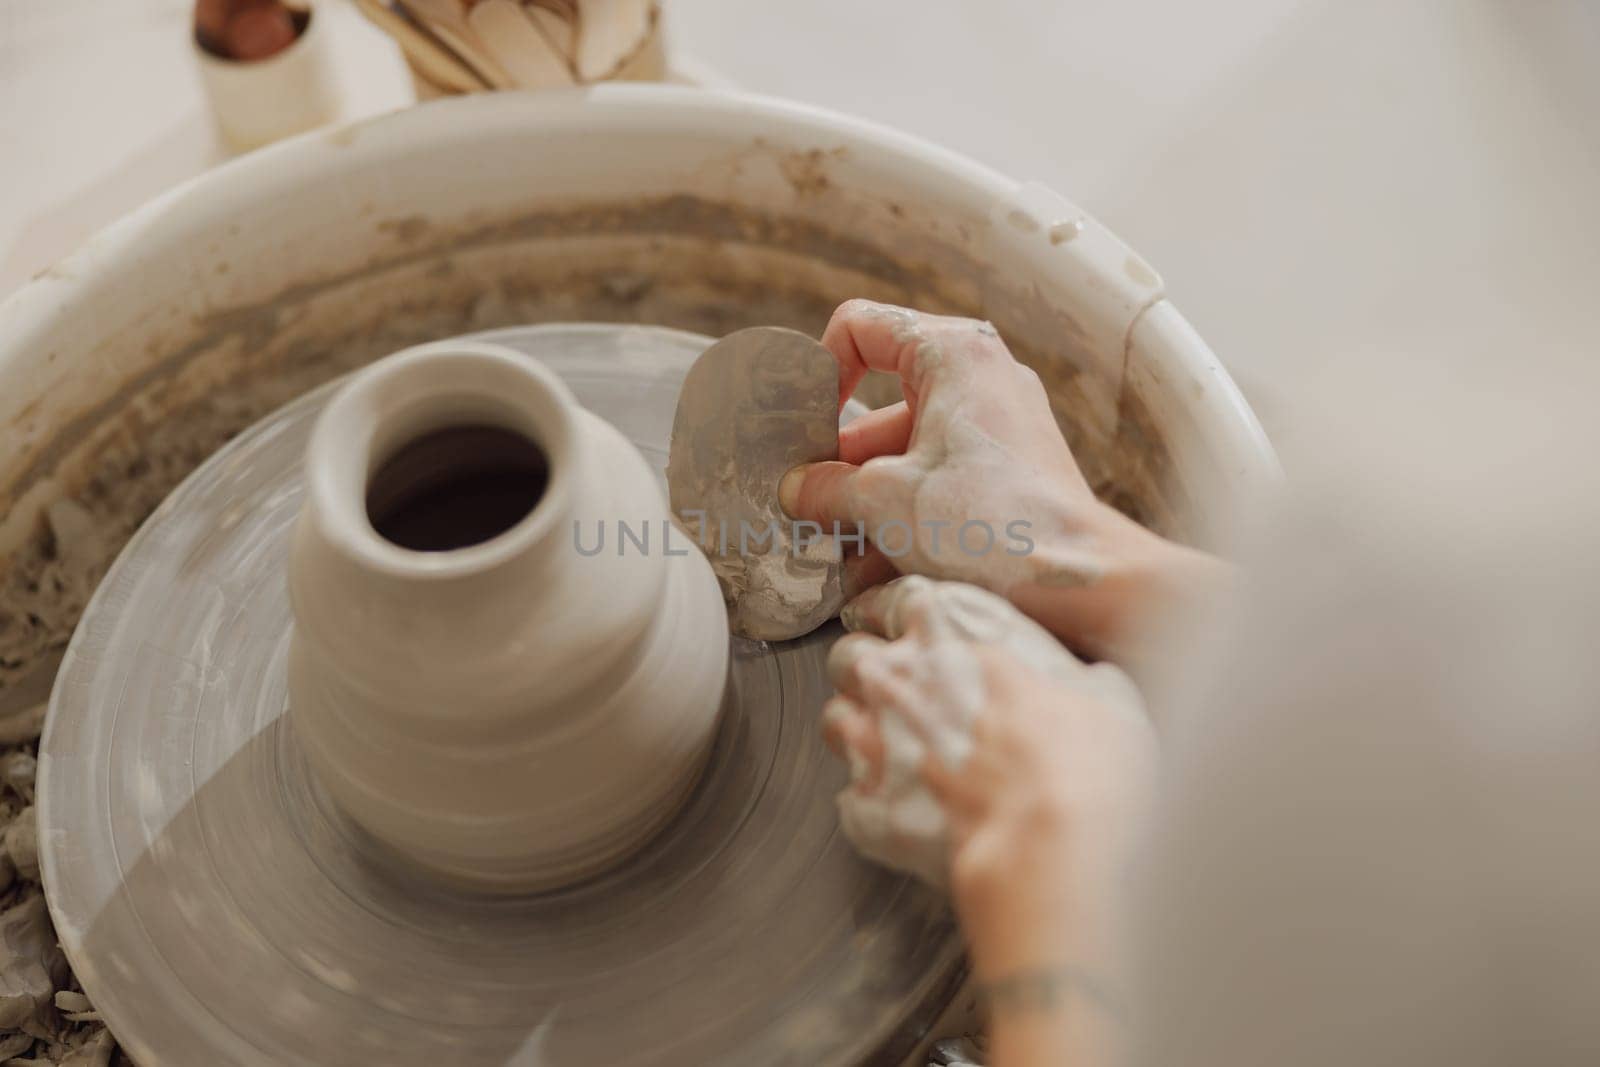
{"x":819,"y":492}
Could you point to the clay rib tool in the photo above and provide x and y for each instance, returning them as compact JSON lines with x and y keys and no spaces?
{"x":756,"y":404}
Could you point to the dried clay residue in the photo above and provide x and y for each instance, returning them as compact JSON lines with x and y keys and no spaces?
{"x":45,"y":1018}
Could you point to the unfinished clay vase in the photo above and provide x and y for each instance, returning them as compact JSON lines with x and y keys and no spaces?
{"x":474,"y":685}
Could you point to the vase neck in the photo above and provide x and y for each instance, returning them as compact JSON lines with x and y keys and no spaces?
{"x":451,"y":463}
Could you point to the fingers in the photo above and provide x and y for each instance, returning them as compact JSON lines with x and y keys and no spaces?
{"x":862,"y":337}
{"x":833,"y":492}
{"x":818,"y":492}
{"x":870,"y":568}
{"x":949,"y":787}
{"x":852,"y":734}
{"x":869,"y":612}
{"x":878,"y":679}
{"x":884,"y":432}
{"x":888,"y":610}
{"x":876,"y":674}
{"x":844,"y":661}
{"x":887,"y":677}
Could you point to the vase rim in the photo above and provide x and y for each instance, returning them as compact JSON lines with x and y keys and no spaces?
{"x":421,"y":385}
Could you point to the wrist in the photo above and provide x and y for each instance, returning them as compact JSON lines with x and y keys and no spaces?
{"x":1035,"y":932}
{"x":1027,"y":887}
{"x":1143,"y":576}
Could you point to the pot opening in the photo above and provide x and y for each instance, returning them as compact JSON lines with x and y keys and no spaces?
{"x":456,"y":487}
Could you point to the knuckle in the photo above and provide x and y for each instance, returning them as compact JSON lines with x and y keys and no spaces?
{"x":855,"y":306}
{"x":847,"y":656}
{"x":976,"y":338}
{"x":877,"y":485}
{"x":980,"y":616}
{"x":881,"y":675}
{"x":918,"y":602}
{"x":912,"y":587}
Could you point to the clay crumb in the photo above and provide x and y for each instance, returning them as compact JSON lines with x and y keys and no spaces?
{"x":1021,"y":220}
{"x":1064,"y":231}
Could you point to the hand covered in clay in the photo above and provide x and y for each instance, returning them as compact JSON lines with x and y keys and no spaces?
{"x":986,"y":757}
{"x":973,"y":735}
{"x":970,"y":479}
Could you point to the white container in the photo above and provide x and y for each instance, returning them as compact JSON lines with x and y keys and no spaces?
{"x":503,"y":708}
{"x":260,"y":101}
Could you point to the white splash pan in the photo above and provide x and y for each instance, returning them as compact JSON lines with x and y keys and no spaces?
{"x":128,"y":308}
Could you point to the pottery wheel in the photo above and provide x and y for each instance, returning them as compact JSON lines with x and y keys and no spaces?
{"x":219,"y":909}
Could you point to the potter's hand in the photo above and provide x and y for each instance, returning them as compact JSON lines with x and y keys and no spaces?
{"x":970,"y":479}
{"x":973,"y":443}
{"x":987,"y":757}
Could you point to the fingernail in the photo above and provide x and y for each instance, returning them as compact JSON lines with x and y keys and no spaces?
{"x":857,"y":614}
{"x":789,"y":491}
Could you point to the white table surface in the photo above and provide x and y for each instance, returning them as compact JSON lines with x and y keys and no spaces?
{"x":1311,"y":177}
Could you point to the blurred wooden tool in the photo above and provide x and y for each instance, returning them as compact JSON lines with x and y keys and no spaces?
{"x":429,"y":56}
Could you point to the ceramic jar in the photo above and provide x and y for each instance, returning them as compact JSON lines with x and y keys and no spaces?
{"x":260,"y":101}
{"x":475,"y":685}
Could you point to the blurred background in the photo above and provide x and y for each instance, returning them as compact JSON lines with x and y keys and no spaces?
{"x":1311,"y":177}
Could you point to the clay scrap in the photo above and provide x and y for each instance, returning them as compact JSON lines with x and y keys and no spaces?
{"x":44,"y":1017}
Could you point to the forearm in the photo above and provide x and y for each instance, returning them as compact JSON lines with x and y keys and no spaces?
{"x":1109,"y":617}
{"x":1044,"y":935}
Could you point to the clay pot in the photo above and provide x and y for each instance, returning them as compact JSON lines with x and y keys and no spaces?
{"x":476,"y":686}
{"x":259,"y":101}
